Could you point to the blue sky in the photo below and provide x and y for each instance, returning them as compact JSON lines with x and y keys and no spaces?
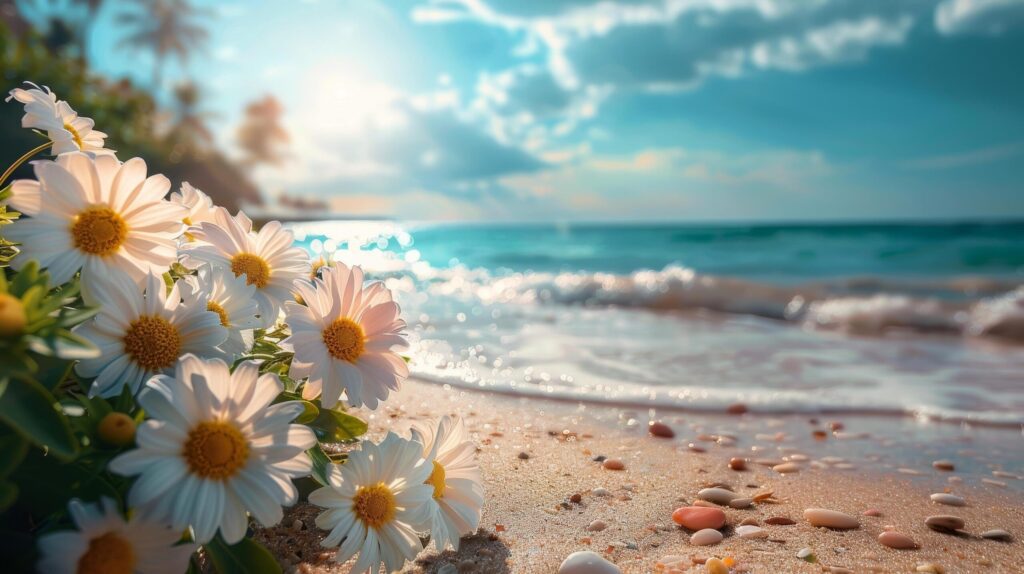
{"x":635,"y":109}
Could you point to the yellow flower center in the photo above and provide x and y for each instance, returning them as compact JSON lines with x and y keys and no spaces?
{"x":12,"y":315}
{"x":374,"y":505}
{"x":107,"y":554}
{"x":437,"y":480}
{"x":256,"y":270}
{"x":188,"y":222}
{"x":344,"y":339}
{"x":153,"y":342}
{"x":98,"y":231}
{"x":215,"y":449}
{"x":216,"y":308}
{"x":315,"y":269}
{"x":75,"y":136}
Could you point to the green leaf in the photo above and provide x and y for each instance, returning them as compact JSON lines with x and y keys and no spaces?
{"x":321,"y":464}
{"x":335,"y":426}
{"x":242,"y":558}
{"x":46,"y":484}
{"x":52,"y":372}
{"x":12,"y":450}
{"x":31,"y":410}
{"x":309,"y":414}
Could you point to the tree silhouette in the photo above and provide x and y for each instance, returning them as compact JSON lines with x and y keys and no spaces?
{"x":260,"y":135}
{"x":167,"y":28}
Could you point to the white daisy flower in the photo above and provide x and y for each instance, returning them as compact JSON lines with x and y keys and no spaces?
{"x":342,"y":335}
{"x":376,"y":502}
{"x":231,"y":298}
{"x":267,"y":259}
{"x":106,"y":543}
{"x":98,"y":215}
{"x":143,"y":335}
{"x":458,"y":486}
{"x":199,"y":205}
{"x":216,"y":448}
{"x":66,"y":129}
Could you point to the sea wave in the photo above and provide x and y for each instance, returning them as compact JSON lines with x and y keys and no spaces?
{"x":858,"y":305}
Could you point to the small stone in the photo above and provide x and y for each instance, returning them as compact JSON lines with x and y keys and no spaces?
{"x":737,"y":409}
{"x":599,"y":458}
{"x":717,"y":495}
{"x":716,"y":566}
{"x":930,"y":568}
{"x":467,"y":566}
{"x":946,"y":465}
{"x":297,"y":525}
{"x":524,"y":455}
{"x":706,"y":537}
{"x":614,"y":464}
{"x":660,"y":430}
{"x":830,"y":519}
{"x":587,"y":562}
{"x":698,"y":518}
{"x":750,"y":532}
{"x":597,"y":526}
{"x":997,"y":534}
{"x":807,"y":555}
{"x":944,"y":523}
{"x":601,"y":491}
{"x":737,"y":463}
{"x":749,"y":521}
{"x":873,"y":512}
{"x":786,"y":468}
{"x":948,"y":499}
{"x":779,"y":521}
{"x":577,"y":498}
{"x":741,"y":503}
{"x":897,"y":540}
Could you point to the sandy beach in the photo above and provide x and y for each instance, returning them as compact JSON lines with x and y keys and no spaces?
{"x":545,"y":499}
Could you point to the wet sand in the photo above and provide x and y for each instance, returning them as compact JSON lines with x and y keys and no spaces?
{"x":535,"y":455}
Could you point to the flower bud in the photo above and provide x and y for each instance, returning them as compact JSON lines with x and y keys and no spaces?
{"x":117,"y":429}
{"x":12,"y":316}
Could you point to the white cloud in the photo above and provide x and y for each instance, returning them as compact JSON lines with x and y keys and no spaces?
{"x":979,"y":16}
{"x":843,"y":41}
{"x":968,"y":158}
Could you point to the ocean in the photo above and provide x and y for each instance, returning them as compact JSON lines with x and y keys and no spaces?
{"x":924,"y":320}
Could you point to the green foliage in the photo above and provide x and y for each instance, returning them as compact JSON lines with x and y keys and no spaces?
{"x":242,"y":558}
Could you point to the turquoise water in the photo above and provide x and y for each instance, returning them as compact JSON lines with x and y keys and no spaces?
{"x":925,"y":320}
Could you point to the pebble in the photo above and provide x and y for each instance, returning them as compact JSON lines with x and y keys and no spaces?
{"x":897,"y":540}
{"x":577,"y":498}
{"x":524,"y":455}
{"x":597,"y":526}
{"x":749,"y":532}
{"x":872,"y":512}
{"x":297,"y":524}
{"x":830,"y":519}
{"x":716,"y":566}
{"x":786,"y":468}
{"x":741,"y":503}
{"x":706,"y":537}
{"x":737,"y":463}
{"x":944,"y":522}
{"x":587,"y":562}
{"x":614,"y":464}
{"x":736,"y":409}
{"x":749,"y":521}
{"x":698,"y":518}
{"x":717,"y":495}
{"x":779,"y":521}
{"x":997,"y":534}
{"x":930,"y":568}
{"x":807,"y":555}
{"x":948,"y":499}
{"x":661,"y":430}
{"x":946,"y":465}
{"x":601,"y":491}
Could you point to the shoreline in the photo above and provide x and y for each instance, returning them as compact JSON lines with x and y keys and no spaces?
{"x":536,"y":455}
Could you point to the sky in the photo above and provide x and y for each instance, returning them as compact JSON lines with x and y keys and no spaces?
{"x":690,"y":110}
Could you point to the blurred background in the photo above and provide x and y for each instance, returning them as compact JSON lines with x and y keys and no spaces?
{"x":547,"y":110}
{"x":802,"y":205}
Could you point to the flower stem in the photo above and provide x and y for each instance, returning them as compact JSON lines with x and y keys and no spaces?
{"x":28,"y":155}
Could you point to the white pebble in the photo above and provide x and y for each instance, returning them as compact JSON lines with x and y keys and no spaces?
{"x":706,"y":537}
{"x":600,"y":491}
{"x":830,"y":518}
{"x":587,"y":562}
{"x":948,"y":499}
{"x":751,"y":532}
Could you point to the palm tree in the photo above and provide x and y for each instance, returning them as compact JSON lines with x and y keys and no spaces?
{"x":167,"y":28}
